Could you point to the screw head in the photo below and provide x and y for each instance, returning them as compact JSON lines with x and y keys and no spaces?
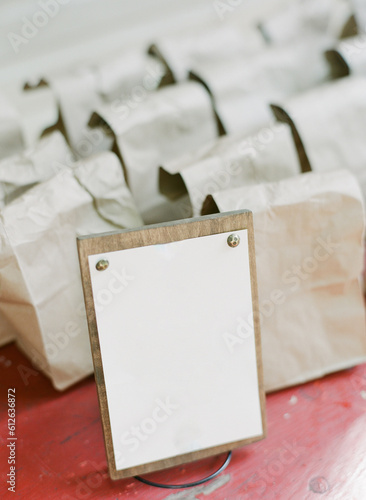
{"x":233,"y":240}
{"x":102,"y":265}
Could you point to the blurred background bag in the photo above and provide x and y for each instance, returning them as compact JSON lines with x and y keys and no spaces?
{"x":172,"y":121}
{"x":269,"y":155}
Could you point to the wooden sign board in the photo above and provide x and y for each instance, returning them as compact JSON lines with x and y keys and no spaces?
{"x":174,"y":328}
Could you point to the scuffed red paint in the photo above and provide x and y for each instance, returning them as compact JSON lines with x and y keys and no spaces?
{"x":317,"y":451}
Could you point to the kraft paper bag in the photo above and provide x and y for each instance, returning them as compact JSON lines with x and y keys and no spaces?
{"x":330,"y":122}
{"x":309,"y":252}
{"x":170,"y":122}
{"x":11,"y":134}
{"x":267,"y":156}
{"x":307,"y":19}
{"x":125,"y":79}
{"x":217,"y":42}
{"x":19,"y":173}
{"x":242,"y":89}
{"x":41,"y":292}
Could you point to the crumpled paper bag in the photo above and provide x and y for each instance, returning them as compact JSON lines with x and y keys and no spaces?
{"x":330,"y":122}
{"x":242,"y":89}
{"x":11,"y":134}
{"x":40,"y":286}
{"x":35,"y":164}
{"x":309,"y":253}
{"x":217,"y":42}
{"x":170,"y":122}
{"x":269,"y":155}
{"x":19,"y":173}
{"x":119,"y":81}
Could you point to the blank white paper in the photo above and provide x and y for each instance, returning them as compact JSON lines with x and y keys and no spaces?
{"x":178,"y":347}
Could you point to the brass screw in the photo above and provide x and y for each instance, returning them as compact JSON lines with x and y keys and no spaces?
{"x":102,"y":265}
{"x":233,"y":240}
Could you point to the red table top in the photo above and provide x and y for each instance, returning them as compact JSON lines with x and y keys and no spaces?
{"x":316,"y":444}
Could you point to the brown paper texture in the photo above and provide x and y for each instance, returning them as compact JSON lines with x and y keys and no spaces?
{"x":330,"y":122}
{"x":41,"y":293}
{"x":170,"y":122}
{"x":269,"y":155}
{"x":309,"y":252}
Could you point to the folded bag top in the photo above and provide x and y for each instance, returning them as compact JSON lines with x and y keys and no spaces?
{"x":231,"y":162}
{"x":328,"y":123}
{"x":168,"y":123}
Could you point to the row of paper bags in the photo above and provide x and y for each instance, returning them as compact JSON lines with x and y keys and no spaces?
{"x":240,"y":62}
{"x":242,"y":65}
{"x":169,"y":163}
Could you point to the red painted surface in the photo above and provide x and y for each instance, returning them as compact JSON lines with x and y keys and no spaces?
{"x":316,"y":445}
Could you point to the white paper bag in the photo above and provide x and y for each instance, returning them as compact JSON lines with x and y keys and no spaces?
{"x":172,"y":121}
{"x":307,"y":19}
{"x":218,"y":42}
{"x":35,"y":164}
{"x":41,"y":293}
{"x":331,"y":123}
{"x":309,"y":252}
{"x":359,"y":8}
{"x":11,"y":134}
{"x":269,"y":155}
{"x":19,"y":173}
{"x":121,"y":80}
{"x":243,"y":88}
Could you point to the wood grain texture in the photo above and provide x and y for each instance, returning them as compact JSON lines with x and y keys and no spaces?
{"x":153,"y":235}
